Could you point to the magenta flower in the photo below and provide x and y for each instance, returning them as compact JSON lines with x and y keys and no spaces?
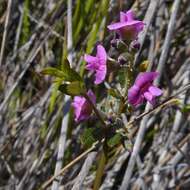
{"x":82,"y":108}
{"x":97,"y":64}
{"x":144,"y":89}
{"x":128,"y":28}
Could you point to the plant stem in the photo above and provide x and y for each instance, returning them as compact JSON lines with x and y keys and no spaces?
{"x":103,"y":157}
{"x":100,"y":170}
{"x":95,"y":109}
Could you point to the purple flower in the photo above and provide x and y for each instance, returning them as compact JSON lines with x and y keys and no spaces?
{"x":144,"y":89}
{"x":128,"y":28}
{"x":82,"y":108}
{"x":97,"y":64}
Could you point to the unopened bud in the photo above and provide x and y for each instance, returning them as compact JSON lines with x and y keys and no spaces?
{"x":135,"y":45}
{"x":122,"y":60}
{"x":114,"y":43}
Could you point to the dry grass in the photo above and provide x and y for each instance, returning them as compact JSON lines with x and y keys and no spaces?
{"x":36,"y":123}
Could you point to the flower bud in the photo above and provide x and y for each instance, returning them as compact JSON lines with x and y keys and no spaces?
{"x":135,"y":45}
{"x":122,"y":60}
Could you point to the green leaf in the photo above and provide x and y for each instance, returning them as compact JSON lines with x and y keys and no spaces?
{"x":71,"y":74}
{"x":186,"y":108}
{"x":53,"y":72}
{"x":73,"y":89}
{"x":122,"y":76}
{"x":87,"y":138}
{"x":91,"y":135}
{"x":125,"y":77}
{"x":54,"y":96}
{"x":66,"y":74}
{"x":114,"y":140}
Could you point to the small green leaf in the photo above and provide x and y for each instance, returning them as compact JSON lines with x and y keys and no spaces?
{"x":53,"y":72}
{"x":87,"y":138}
{"x":71,"y":74}
{"x":114,"y":140}
{"x":125,"y":77}
{"x":186,"y":108}
{"x":91,"y":135}
{"x":54,"y":96}
{"x":122,"y":76}
{"x":73,"y":89}
{"x":66,"y":74}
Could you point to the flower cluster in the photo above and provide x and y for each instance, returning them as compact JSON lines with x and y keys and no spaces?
{"x":128,"y":29}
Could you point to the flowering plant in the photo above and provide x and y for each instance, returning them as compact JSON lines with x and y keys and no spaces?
{"x":115,"y":76}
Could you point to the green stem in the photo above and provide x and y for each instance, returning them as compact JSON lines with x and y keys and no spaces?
{"x":100,"y":170}
{"x":121,"y":106}
{"x":95,"y":110}
{"x":103,"y":157}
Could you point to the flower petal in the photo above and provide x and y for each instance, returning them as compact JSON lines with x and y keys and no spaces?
{"x":82,"y":108}
{"x":144,"y":78}
{"x":100,"y":74}
{"x":77,"y":104}
{"x":148,"y":96}
{"x":134,"y":96}
{"x":123,"y":17}
{"x":101,"y":54}
{"x":92,"y":62}
{"x":91,"y":66}
{"x":119,"y":25}
{"x":139,"y":26}
{"x":140,"y":100}
{"x":90,"y":59}
{"x":155,"y":91}
{"x":92,"y":96}
{"x":130,"y":15}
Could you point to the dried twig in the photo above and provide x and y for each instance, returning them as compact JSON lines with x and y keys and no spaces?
{"x":65,"y":120}
{"x":148,"y":19}
{"x":27,"y":65}
{"x":167,"y":41}
{"x":84,"y":171}
{"x":47,"y":183}
{"x":5,"y":31}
